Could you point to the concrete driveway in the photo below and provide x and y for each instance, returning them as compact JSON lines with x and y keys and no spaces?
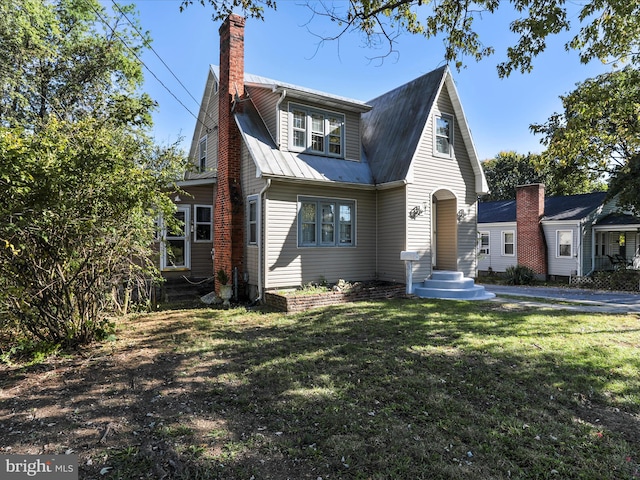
{"x":579,"y":299}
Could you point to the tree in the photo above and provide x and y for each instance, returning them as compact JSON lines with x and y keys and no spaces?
{"x":599,"y":133}
{"x":80,"y":179}
{"x":507,"y":170}
{"x":609,"y":30}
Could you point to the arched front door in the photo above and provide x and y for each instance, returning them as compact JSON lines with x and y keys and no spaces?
{"x":444,"y":231}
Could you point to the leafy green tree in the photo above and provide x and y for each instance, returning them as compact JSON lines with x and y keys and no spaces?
{"x":80,"y":179}
{"x":507,"y":170}
{"x":599,"y":133}
{"x":609,"y":30}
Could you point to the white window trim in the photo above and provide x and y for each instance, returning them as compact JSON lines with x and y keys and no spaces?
{"x":558,"y":232}
{"x":319,"y":201}
{"x":196,"y":223}
{"x":252,"y":199}
{"x":165,"y":237}
{"x":451,"y":118}
{"x":202,"y":168}
{"x":502,"y":235}
{"x":308,"y":130}
{"x":488,"y":235}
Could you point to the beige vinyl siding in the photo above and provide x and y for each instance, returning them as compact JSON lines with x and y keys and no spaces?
{"x":391,"y":234}
{"x":266,"y":102}
{"x":432,"y":173}
{"x":250,"y":186}
{"x":289,"y":265}
{"x":206,"y":126}
{"x":353,"y":145}
{"x":201,"y":263}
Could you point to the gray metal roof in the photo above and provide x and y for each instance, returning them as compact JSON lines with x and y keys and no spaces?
{"x":392,"y":129}
{"x":272,"y":162}
{"x":303,"y":92}
{"x":567,"y":207}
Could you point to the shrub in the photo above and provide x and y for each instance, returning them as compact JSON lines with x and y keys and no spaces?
{"x":520,"y":275}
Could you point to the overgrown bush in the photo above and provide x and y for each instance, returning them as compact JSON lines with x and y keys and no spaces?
{"x":519,"y":275}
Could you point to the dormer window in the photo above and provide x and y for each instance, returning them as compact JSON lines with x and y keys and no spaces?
{"x":316,"y":131}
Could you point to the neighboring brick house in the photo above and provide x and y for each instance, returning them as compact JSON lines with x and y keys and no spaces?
{"x":563,"y":236}
{"x":307,"y":186}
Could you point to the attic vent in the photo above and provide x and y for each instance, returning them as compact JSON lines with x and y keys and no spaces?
{"x":215,"y":87}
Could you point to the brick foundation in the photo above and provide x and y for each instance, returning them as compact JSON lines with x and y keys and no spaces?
{"x":292,"y":303}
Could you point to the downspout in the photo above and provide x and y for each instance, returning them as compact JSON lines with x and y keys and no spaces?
{"x":593,"y":251}
{"x":580,"y":252}
{"x":280,"y":100}
{"x":261,"y":272}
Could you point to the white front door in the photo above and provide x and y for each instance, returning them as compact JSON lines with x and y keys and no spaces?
{"x":175,"y":250}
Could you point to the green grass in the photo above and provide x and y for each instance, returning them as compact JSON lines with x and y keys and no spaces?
{"x":404,"y":389}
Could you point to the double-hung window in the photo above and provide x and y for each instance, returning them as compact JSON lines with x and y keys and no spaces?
{"x":508,"y":243}
{"x":444,"y":134}
{"x":203,"y":224}
{"x":202,"y":155}
{"x":483,"y":243}
{"x":326,"y":222}
{"x":252,"y":220}
{"x":316,"y":131}
{"x":565,"y":243}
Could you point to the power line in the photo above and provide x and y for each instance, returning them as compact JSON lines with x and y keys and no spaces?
{"x":150,"y":47}
{"x":104,"y":21}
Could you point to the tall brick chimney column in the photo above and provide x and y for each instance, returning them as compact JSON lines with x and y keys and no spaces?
{"x":228,"y":215}
{"x":532,"y":249}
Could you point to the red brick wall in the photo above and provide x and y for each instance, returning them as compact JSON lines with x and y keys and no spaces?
{"x":229,"y":211}
{"x":532,"y":251}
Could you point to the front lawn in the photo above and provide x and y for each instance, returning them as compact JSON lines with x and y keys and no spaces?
{"x":396,"y":389}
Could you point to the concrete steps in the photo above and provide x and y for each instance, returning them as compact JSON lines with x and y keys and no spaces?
{"x":451,"y":285}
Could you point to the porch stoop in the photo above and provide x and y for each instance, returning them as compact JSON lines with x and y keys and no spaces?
{"x":451,"y":285}
{"x":182,"y":289}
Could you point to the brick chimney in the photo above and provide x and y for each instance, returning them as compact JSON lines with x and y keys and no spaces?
{"x":532,"y":248}
{"x":229,"y":212}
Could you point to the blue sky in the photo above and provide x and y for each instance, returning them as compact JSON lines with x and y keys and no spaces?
{"x":285,"y":46}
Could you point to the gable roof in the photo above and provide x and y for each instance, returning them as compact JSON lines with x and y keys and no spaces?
{"x":389,"y":145}
{"x":394,"y":127}
{"x":391,"y":131}
{"x":561,"y":208}
{"x":297,"y":91}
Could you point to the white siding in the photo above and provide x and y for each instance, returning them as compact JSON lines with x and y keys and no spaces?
{"x":556,"y":265}
{"x":496,"y":261}
{"x":289,"y":265}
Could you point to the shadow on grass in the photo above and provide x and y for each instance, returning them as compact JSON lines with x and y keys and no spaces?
{"x":393,"y":389}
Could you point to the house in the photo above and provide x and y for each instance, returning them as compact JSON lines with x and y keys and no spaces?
{"x":562,"y":236}
{"x":293,"y":185}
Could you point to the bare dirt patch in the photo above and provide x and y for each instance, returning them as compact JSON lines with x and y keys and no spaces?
{"x":134,"y":399}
